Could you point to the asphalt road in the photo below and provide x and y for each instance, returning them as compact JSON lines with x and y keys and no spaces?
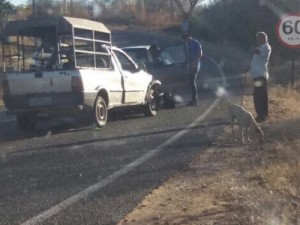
{"x":72,"y":173}
{"x":120,"y":164}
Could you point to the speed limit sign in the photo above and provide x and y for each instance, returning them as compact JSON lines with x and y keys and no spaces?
{"x":288,"y":30}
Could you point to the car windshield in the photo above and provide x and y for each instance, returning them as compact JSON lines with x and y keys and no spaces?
{"x":173,"y":55}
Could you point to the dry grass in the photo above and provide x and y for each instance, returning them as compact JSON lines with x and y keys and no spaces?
{"x":129,"y":14}
{"x":288,"y":99}
{"x":233,"y":184}
{"x":269,"y":191}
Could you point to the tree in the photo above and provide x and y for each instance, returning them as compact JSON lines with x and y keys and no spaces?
{"x":186,"y":13}
{"x":236,"y":22}
{"x":5,"y":10}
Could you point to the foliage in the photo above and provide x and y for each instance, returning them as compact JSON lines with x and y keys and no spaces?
{"x":233,"y":22}
{"x":142,"y":12}
{"x":5,"y":10}
{"x":186,"y":13}
{"x":237,"y":21}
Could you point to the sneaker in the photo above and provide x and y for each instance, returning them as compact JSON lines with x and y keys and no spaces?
{"x":259,"y":119}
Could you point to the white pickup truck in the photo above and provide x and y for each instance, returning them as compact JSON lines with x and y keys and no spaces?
{"x":65,"y":65}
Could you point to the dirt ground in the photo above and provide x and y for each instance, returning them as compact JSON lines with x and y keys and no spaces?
{"x":221,"y":186}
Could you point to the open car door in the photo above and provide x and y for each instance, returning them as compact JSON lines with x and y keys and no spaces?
{"x":173,"y":69}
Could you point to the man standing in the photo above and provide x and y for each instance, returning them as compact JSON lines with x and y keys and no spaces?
{"x":260,"y":75}
{"x":155,"y":53}
{"x":194,"y":51}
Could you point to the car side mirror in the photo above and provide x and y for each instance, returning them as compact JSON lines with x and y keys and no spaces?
{"x":141,"y":66}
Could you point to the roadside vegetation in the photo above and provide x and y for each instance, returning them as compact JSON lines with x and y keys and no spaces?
{"x":269,"y":189}
{"x":229,"y":183}
{"x":221,"y":25}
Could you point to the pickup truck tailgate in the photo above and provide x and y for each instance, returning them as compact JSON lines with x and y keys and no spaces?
{"x":39,"y":82}
{"x":34,"y":90}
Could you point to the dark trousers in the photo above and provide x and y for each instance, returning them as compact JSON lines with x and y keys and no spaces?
{"x":260,"y":97}
{"x":192,"y":79}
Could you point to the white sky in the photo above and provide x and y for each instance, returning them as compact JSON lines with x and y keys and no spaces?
{"x":19,"y":2}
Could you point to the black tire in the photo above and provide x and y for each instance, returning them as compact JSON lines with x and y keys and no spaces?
{"x":100,"y":112}
{"x":151,"y":108}
{"x":27,"y":121}
{"x":169,"y":101}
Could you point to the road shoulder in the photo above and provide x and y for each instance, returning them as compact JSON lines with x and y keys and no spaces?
{"x":225,"y":184}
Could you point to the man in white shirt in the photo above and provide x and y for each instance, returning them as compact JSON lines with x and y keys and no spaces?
{"x":260,"y":74}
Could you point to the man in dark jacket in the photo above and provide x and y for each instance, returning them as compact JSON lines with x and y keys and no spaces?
{"x":194,"y":51}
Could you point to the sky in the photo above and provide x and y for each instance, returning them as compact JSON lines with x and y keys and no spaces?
{"x":19,"y":2}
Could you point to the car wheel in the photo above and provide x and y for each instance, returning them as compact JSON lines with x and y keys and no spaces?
{"x":169,"y":100}
{"x":152,"y":105}
{"x":100,"y":112}
{"x":27,"y":121}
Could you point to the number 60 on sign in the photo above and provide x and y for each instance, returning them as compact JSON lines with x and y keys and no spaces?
{"x":288,"y":30}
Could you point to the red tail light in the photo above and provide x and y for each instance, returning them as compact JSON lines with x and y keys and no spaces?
{"x":77,"y":85}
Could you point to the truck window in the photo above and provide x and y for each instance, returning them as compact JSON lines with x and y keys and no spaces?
{"x":125,"y":62}
{"x":89,"y":49}
{"x":139,"y":55}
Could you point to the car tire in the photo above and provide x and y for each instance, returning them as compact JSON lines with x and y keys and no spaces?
{"x":27,"y":121}
{"x":151,"y":108}
{"x":100,"y":112}
{"x":169,"y":101}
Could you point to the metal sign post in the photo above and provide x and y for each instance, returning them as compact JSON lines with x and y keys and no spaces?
{"x":185,"y":25}
{"x":288,"y":33}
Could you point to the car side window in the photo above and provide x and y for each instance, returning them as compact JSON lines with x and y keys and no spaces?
{"x":125,"y":62}
{"x":139,"y":55}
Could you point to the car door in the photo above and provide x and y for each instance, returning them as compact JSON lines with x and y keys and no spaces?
{"x":173,"y":70}
{"x":135,"y":81}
